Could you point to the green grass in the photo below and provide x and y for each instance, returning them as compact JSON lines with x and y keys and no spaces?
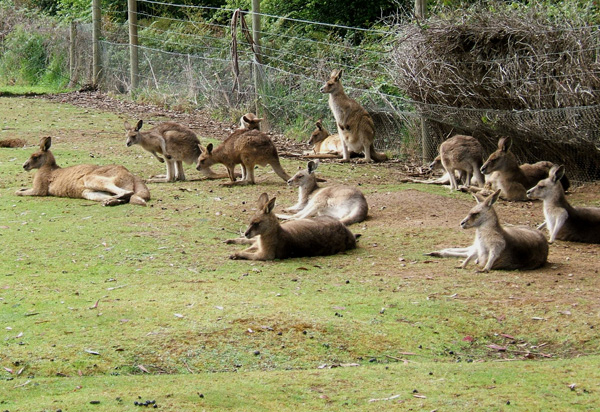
{"x":108,"y":304}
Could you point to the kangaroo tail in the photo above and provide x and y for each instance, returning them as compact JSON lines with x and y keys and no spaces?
{"x":279,"y":170}
{"x":358,"y":214}
{"x":141,"y":194}
{"x":378,"y":156}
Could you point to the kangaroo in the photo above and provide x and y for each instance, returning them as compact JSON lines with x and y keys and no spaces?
{"x":514,"y":180}
{"x":175,"y":142}
{"x":565,"y":222}
{"x":462,"y":154}
{"x":345,"y":203}
{"x":245,"y":147}
{"x":249,"y":121}
{"x":498,"y":247}
{"x":436,"y":164}
{"x":12,"y":143}
{"x":354,"y":124}
{"x":324,"y":145}
{"x":112,"y":185}
{"x":270,"y":240}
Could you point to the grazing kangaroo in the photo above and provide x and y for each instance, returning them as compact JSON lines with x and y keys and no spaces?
{"x":112,"y":185}
{"x":354,"y":124}
{"x":245,"y":147}
{"x":175,"y":142}
{"x":345,"y":203}
{"x":321,"y":236}
{"x":498,"y":247}
{"x":12,"y":143}
{"x":514,"y":180}
{"x":565,"y":222}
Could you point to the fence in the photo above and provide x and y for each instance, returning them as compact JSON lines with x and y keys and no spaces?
{"x":213,"y":63}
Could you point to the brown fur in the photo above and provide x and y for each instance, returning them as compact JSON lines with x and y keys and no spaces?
{"x":305,"y":237}
{"x":245,"y":147}
{"x":462,"y":154}
{"x":177,"y":143}
{"x":355,"y":125}
{"x":514,"y":180}
{"x":112,"y":185}
{"x":324,"y":145}
{"x":12,"y":143}
{"x":249,"y":121}
{"x":345,"y":203}
{"x":498,"y":247}
{"x":565,"y":222}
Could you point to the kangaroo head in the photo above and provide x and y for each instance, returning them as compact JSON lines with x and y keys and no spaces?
{"x":482,"y":212}
{"x":499,"y":158}
{"x":333,"y":84}
{"x":41,"y":157}
{"x":264,"y":219}
{"x":205,"y":159}
{"x":249,"y":121}
{"x":319,"y":134}
{"x":548,"y":186}
{"x":132,"y":133}
{"x":304,"y":176}
{"x":436,"y":164}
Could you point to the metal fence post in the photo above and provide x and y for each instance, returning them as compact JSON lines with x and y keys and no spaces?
{"x":95,"y":41}
{"x":133,"y":44}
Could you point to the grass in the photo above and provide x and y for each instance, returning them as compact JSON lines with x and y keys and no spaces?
{"x":112,"y":304}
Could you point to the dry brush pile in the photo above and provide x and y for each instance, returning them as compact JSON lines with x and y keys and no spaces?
{"x":515,"y":73}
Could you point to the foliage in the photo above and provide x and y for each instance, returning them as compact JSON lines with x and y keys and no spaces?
{"x":24,"y":61}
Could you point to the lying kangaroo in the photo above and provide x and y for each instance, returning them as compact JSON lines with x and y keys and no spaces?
{"x":565,"y":222}
{"x":112,"y":185}
{"x":514,"y":180}
{"x":245,"y":147}
{"x":174,"y":141}
{"x":345,"y":203}
{"x":436,"y":164}
{"x":324,"y":145}
{"x":321,"y":236}
{"x":495,"y":246}
{"x":12,"y":143}
{"x":354,"y":124}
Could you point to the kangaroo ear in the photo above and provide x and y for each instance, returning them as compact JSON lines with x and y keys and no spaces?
{"x":126,"y":125}
{"x":45,"y":143}
{"x":557,"y":172}
{"x":338,"y":76}
{"x":262,"y":200}
{"x":491,"y":199}
{"x":270,"y":205}
{"x":504,"y":144}
{"x":139,"y":125}
{"x":312,"y":166}
{"x":319,"y":124}
{"x":209,"y":148}
{"x":200,"y":148}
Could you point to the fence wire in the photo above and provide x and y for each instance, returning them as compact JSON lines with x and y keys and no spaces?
{"x":189,"y":59}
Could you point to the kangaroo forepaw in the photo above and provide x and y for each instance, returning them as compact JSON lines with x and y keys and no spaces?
{"x":160,"y":159}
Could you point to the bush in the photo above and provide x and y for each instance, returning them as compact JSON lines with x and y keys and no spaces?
{"x":24,"y":61}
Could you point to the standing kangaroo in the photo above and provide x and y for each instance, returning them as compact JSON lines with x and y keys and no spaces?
{"x":245,"y":147}
{"x":112,"y":185}
{"x":514,"y":180}
{"x":270,"y":240}
{"x":174,"y":141}
{"x":462,"y":154}
{"x":354,"y":124}
{"x":498,"y":247}
{"x":345,"y":203}
{"x":565,"y":222}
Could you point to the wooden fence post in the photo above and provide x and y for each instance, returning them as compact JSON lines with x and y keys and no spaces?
{"x":95,"y":41}
{"x":133,"y":44}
